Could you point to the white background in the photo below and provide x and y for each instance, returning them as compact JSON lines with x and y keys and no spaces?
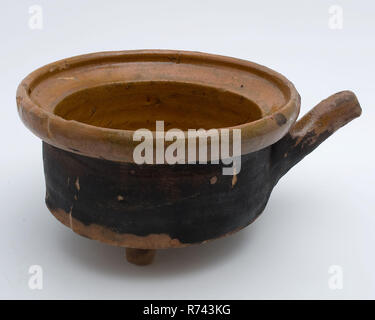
{"x":320,"y":214}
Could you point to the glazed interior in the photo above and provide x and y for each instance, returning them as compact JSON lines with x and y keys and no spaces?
{"x":110,"y":94}
{"x":133,"y":106}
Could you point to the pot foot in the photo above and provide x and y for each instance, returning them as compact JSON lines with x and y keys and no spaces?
{"x":140,"y":257}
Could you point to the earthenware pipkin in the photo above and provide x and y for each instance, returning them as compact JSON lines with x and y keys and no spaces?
{"x":86,"y":109}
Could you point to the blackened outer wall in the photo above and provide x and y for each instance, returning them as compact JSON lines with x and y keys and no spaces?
{"x":192,"y":203}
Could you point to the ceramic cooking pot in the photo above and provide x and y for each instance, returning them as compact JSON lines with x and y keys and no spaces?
{"x":87,"y":108}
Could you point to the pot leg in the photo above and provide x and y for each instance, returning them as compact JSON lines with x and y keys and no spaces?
{"x":140,"y":257}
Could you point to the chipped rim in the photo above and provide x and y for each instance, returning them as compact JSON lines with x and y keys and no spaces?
{"x":117,"y":144}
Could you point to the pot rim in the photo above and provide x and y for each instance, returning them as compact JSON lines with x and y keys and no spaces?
{"x":118,"y":144}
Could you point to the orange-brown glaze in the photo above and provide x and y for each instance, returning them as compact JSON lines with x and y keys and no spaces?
{"x":258,"y":92}
{"x":140,"y":105}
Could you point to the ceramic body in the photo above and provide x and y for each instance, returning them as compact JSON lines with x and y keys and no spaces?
{"x":86,"y":110}
{"x":154,"y":206}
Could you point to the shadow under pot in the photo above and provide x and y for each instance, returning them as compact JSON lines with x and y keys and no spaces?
{"x":158,"y":149}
